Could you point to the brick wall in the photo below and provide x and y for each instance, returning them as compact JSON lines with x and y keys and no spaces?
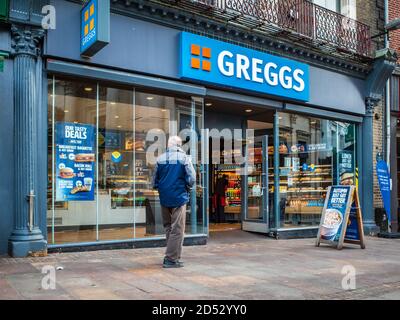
{"x":378,"y":148}
{"x":372,"y":13}
{"x":394,"y":12}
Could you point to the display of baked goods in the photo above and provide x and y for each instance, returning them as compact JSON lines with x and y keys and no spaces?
{"x":137,"y":145}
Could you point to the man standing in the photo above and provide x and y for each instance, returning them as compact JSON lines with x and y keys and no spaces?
{"x":220,"y":192}
{"x":173,"y":178}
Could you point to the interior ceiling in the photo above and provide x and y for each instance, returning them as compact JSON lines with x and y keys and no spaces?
{"x":239,"y":109}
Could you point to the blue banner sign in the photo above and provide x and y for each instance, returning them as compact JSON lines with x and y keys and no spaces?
{"x":95,"y":27}
{"x":217,"y":62}
{"x":332,"y":225}
{"x":75,"y":162}
{"x":382,"y":172}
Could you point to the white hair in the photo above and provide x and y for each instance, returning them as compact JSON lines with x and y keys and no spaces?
{"x":174,"y":141}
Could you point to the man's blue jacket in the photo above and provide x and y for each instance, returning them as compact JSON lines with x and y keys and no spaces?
{"x":174,"y":176}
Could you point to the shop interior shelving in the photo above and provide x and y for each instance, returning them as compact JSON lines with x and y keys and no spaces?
{"x":233,"y":192}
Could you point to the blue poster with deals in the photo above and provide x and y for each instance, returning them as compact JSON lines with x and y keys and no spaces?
{"x":382,"y":172}
{"x":75,"y":160}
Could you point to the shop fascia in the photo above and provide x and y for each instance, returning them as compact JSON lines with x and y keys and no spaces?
{"x":257,"y":70}
{"x":221,"y":63}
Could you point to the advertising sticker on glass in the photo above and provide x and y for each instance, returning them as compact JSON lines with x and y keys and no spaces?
{"x":346,"y":168}
{"x":75,"y":160}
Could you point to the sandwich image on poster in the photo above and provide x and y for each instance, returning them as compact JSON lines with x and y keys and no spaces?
{"x":85,"y":157}
{"x":75,"y":162}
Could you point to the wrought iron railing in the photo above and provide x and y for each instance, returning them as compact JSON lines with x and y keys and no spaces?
{"x":300,"y":17}
{"x":346,"y":33}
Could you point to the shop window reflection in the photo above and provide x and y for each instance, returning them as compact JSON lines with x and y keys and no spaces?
{"x":71,"y":221}
{"x":313,"y":155}
{"x":116,"y":164}
{"x":128,"y":130}
{"x":157,"y":118}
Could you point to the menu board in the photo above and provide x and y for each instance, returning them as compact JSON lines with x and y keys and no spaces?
{"x":75,"y":160}
{"x":341,"y":219}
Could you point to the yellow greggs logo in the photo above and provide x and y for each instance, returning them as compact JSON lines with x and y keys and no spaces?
{"x":89,"y":19}
{"x":200,"y":58}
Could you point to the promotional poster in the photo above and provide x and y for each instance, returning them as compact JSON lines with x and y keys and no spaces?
{"x":331,"y":227}
{"x":75,"y":162}
{"x":346,"y":168}
{"x":352,"y":231}
{"x":382,"y":172}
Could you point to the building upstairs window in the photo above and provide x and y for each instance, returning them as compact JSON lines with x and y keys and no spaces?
{"x":347,"y":8}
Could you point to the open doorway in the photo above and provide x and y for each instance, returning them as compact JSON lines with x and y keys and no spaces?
{"x":237,"y":195}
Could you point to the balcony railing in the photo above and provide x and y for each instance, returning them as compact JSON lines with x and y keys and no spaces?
{"x":300,"y":18}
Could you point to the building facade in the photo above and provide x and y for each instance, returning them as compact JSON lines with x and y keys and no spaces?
{"x":394,"y":43}
{"x":290,"y":92}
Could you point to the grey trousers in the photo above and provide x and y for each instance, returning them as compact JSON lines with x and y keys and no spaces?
{"x":174,"y":223}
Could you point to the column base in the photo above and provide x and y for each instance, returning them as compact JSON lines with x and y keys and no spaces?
{"x":22,"y":243}
{"x":371,"y":229}
{"x":23,"y":249}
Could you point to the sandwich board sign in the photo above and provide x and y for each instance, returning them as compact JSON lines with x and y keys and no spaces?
{"x":341,"y":220}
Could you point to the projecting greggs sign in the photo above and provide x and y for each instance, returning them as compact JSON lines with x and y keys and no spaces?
{"x":95,"y":27}
{"x":222,"y":63}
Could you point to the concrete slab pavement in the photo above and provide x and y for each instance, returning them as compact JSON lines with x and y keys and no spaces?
{"x":233,"y":266}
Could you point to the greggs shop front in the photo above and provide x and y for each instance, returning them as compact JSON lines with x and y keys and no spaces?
{"x":268,"y":133}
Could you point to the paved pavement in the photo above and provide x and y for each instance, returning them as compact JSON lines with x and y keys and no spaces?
{"x":235,"y":265}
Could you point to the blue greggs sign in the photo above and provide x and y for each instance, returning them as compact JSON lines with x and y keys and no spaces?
{"x":95,"y":27}
{"x":225,"y":64}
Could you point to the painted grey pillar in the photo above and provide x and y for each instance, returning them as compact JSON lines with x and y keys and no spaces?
{"x":370,"y":226}
{"x":26,"y":237}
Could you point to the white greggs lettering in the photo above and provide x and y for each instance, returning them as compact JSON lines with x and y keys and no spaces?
{"x":228,"y":65}
{"x":256,"y":70}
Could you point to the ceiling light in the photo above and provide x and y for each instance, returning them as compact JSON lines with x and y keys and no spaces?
{"x":249,"y":110}
{"x":163,"y":110}
{"x":208,"y":104}
{"x":116,"y":117}
{"x":113,"y":103}
{"x":66,"y":111}
{"x":88,"y":89}
{"x":119,"y":127}
{"x":150,"y":98}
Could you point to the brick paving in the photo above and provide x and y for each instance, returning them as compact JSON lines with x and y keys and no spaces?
{"x":233,"y":266}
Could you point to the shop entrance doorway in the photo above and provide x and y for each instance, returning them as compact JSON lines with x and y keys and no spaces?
{"x":239,"y":190}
